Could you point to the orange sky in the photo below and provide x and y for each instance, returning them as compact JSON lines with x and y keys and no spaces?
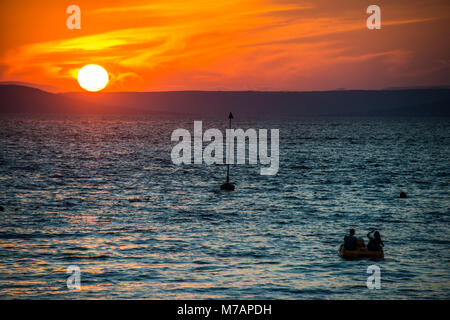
{"x":227,"y":45}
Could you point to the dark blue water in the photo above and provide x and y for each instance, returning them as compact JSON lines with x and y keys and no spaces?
{"x":104,"y":195}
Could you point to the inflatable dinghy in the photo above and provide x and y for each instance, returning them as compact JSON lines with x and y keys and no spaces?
{"x":359,"y":253}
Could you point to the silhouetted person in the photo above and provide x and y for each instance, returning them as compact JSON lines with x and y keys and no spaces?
{"x":375,"y":242}
{"x":350,"y":241}
{"x":403,"y":195}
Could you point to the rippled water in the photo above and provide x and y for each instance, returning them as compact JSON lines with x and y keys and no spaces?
{"x":104,"y":195}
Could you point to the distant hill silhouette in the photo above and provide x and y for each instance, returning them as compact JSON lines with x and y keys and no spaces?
{"x":42,"y":87}
{"x":21,"y":99}
{"x":17,"y":99}
{"x":411,"y":102}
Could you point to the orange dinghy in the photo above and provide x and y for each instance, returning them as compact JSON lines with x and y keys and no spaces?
{"x":359,"y":253}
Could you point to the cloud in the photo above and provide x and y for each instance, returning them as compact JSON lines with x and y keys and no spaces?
{"x":235,"y":44}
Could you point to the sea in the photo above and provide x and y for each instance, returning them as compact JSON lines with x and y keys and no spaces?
{"x":102,"y":195}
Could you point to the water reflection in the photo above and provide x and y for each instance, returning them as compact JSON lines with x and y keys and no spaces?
{"x":104,"y":195}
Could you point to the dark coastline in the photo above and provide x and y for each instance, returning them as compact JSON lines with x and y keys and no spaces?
{"x":405,"y":102}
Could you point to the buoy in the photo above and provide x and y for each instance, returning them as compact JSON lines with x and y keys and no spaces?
{"x":227,"y":185}
{"x":403,"y":195}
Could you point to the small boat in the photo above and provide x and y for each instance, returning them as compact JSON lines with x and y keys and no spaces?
{"x":359,"y":253}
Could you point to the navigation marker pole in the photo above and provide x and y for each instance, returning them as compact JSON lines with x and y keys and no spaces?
{"x":227,"y":185}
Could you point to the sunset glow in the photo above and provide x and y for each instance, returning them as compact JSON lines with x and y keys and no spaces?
{"x":227,"y":45}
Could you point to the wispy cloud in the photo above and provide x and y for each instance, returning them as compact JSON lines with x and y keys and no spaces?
{"x":210,"y":44}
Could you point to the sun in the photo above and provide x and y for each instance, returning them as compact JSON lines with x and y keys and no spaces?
{"x":92,"y":77}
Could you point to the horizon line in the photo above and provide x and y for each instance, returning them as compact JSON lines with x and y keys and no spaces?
{"x":41,"y":88}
